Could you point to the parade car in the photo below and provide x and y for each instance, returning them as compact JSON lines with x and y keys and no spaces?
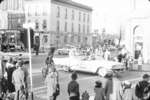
{"x":100,"y":67}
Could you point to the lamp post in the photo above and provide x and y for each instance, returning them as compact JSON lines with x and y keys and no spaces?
{"x":28,"y":26}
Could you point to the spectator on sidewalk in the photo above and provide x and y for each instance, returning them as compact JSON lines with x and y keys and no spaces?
{"x":25,"y":70}
{"x":52,"y":83}
{"x":10,"y":68}
{"x":106,"y":55}
{"x":142,"y":89}
{"x":127,"y":91}
{"x":73,"y":88}
{"x":140,"y":63}
{"x":131,"y":62}
{"x":99,"y":91}
{"x":49,"y":60}
{"x":18,"y":79}
{"x":109,"y":86}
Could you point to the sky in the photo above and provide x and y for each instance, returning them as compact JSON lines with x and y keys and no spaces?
{"x":109,"y":14}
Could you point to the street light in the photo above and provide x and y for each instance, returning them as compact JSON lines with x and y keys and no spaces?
{"x":28,"y":26}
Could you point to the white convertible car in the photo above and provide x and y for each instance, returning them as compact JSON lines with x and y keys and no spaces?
{"x":100,"y":67}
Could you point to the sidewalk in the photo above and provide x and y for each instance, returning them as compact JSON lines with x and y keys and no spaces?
{"x":145,"y":67}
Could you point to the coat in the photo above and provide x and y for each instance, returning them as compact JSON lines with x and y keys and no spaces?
{"x":51,"y":82}
{"x":99,"y":94}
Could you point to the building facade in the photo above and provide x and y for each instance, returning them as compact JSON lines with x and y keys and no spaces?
{"x":66,"y":22}
{"x":137,"y":36}
{"x":38,"y":12}
{"x":71,"y":22}
{"x":3,"y":20}
{"x":15,"y":13}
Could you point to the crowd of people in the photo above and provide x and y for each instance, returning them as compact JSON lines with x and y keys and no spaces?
{"x":15,"y":80}
{"x":14,"y":83}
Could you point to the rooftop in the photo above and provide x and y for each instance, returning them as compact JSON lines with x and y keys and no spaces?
{"x":72,"y":3}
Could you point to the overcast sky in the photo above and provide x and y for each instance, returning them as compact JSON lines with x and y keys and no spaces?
{"x":110,"y":13}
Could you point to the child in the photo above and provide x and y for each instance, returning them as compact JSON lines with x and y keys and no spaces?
{"x":99,"y":91}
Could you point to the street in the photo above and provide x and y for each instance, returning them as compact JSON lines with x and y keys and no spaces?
{"x":86,"y":81}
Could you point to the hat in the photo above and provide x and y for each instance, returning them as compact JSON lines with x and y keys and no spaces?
{"x":146,"y":76}
{"x":98,"y":84}
{"x":109,"y":75}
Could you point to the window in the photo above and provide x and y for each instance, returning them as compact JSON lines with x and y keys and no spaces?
{"x":36,"y":25}
{"x":72,"y":27}
{"x":37,"y":13}
{"x":58,"y":11}
{"x":72,"y":38}
{"x":84,"y":17}
{"x":29,"y":21}
{"x":66,"y":15}
{"x":88,"y":29}
{"x":58,"y":26}
{"x":79,"y":28}
{"x":88,"y":19}
{"x":79,"y":38}
{"x":79,"y":16}
{"x":45,"y":38}
{"x":44,"y":12}
{"x":44,"y":24}
{"x":65,"y":26}
{"x":72,"y":14}
{"x":65,"y":39}
{"x":29,"y":14}
{"x":83,"y":28}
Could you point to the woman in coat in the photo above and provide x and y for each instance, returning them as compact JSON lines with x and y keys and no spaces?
{"x":52,"y":84}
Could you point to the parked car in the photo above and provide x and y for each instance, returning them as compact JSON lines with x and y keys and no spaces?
{"x":65,"y":50}
{"x":23,"y":55}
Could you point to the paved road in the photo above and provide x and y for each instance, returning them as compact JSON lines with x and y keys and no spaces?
{"x":85,"y":80}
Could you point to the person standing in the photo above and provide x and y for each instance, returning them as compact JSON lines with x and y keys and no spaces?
{"x":140,"y":63}
{"x":49,"y":62}
{"x":49,"y":59}
{"x":73,"y":88}
{"x":18,"y":79}
{"x":142,"y":88}
{"x":52,"y":83}
{"x":99,"y":91}
{"x":127,"y":91}
{"x":10,"y":67}
{"x":26,"y":74}
{"x":106,"y":55}
{"x":109,"y":86}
